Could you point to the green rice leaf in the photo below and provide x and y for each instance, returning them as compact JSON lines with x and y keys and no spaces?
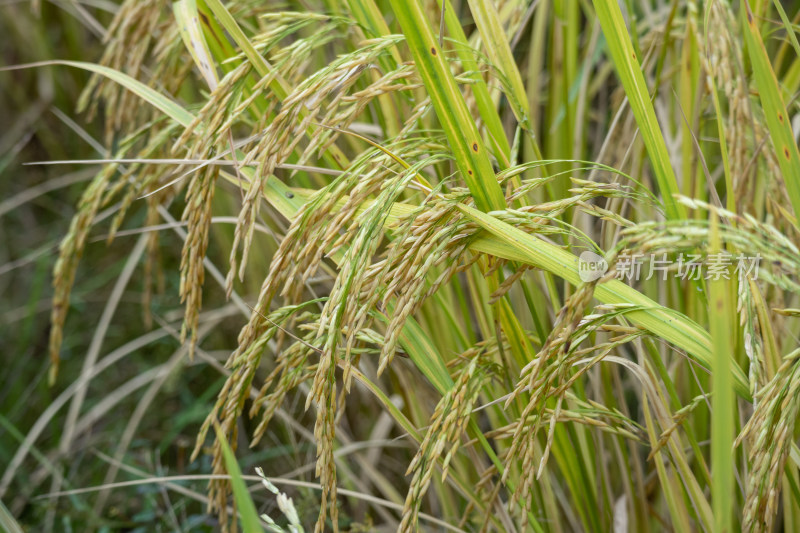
{"x":153,"y":97}
{"x":248,"y":515}
{"x":494,"y":39}
{"x":720,"y":307}
{"x":471,"y":155}
{"x":630,"y":73}
{"x":774,"y":109}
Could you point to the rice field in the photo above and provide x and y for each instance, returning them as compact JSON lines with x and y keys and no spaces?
{"x":400,"y":265}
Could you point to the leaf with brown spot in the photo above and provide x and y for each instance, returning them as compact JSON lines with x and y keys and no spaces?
{"x":774,"y":109}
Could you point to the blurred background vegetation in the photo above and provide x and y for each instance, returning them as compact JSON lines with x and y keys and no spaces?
{"x":40,"y":123}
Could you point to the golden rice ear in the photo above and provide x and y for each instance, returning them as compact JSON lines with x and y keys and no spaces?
{"x":139,"y":29}
{"x":769,"y":434}
{"x":69,"y":254}
{"x":301,"y":113}
{"x":197,"y":216}
{"x":745,"y":132}
{"x":442,"y":439}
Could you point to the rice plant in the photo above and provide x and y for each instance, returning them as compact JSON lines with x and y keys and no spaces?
{"x":503,"y":266}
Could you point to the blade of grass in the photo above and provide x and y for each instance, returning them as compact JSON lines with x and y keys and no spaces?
{"x":730,"y":197}
{"x":471,"y":156}
{"x":688,"y":88}
{"x":156,"y":99}
{"x":483,"y":99}
{"x":772,"y":355}
{"x":669,"y":483}
{"x":367,"y":14}
{"x":787,"y":25}
{"x":630,"y":73}
{"x":494,"y":39}
{"x":774,"y":109}
{"x":248,"y":515}
{"x":10,"y":525}
{"x":722,"y":397}
{"x":186,"y":14}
